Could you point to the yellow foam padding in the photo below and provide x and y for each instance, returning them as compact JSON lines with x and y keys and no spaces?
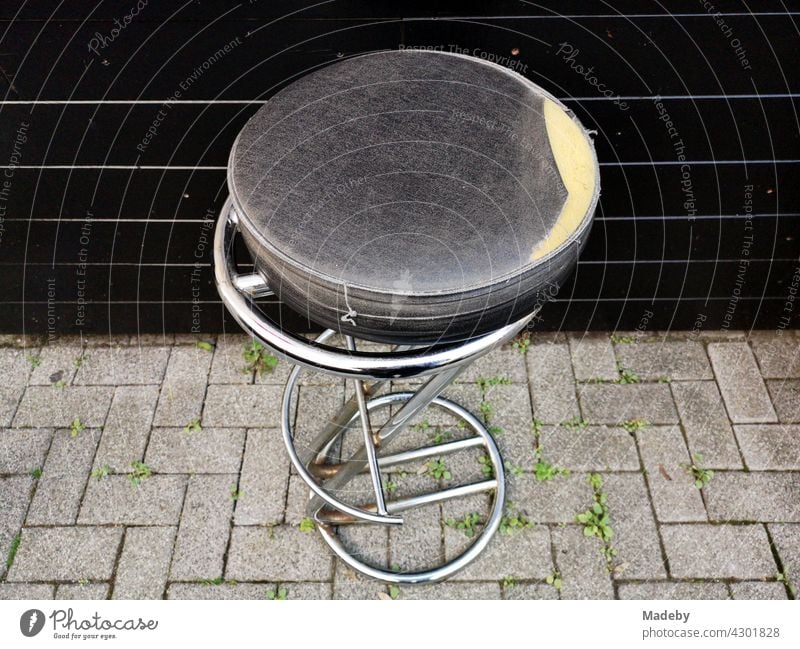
{"x":573,"y":155}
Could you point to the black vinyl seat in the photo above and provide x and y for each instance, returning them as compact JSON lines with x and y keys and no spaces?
{"x":413,"y":196}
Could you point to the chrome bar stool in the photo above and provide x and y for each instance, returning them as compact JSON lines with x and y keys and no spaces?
{"x":420,"y":201}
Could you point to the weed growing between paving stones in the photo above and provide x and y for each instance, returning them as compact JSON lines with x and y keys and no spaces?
{"x":258,"y":359}
{"x":700,"y":475}
{"x":438,"y":469}
{"x":596,"y":521}
{"x":61,"y":383}
{"x":35,"y":361}
{"x":623,"y":340}
{"x":78,"y":360}
{"x":12,"y":551}
{"x":543,"y":470}
{"x":486,"y":466}
{"x":632,"y":425}
{"x":509,"y":581}
{"x":216,"y":581}
{"x":513,"y":521}
{"x":281,"y":593}
{"x":626,"y":376}
{"x":102,"y":472}
{"x":235,"y":493}
{"x":193,"y":426}
{"x":76,"y":427}
{"x":307,"y":525}
{"x":485,"y":407}
{"x":140,"y":473}
{"x":466,"y":524}
{"x":36,"y":473}
{"x":522,"y":343}
{"x":576,"y":423}
{"x":205,"y":346}
{"x":783,"y":577}
{"x":554,"y":580}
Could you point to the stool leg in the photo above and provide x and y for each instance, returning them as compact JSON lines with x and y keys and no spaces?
{"x":369,"y":441}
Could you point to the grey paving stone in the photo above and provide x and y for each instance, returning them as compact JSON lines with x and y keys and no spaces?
{"x":417,"y":544}
{"x":665,"y":457}
{"x":209,"y":450}
{"x":283,"y":553}
{"x":48,"y":406}
{"x":188,"y":365}
{"x":706,"y":424}
{"x":296,"y":501}
{"x":594,"y":448}
{"x":758,"y":590}
{"x":66,"y":470}
{"x":114,"y":500}
{"x":276,"y":376}
{"x":778,"y":357}
{"x":122,"y":366}
{"x":144,"y":563}
{"x":9,"y":401}
{"x":786,"y":538}
{"x":305,"y":590}
{"x":612,"y":403}
{"x":756,"y":496}
{"x":770,"y":446}
{"x":673,"y":590}
{"x":480,"y":590}
{"x":264,"y":479}
{"x":635,"y":534}
{"x":676,"y":360}
{"x":26,"y":591}
{"x":581,"y":564}
{"x":232,"y":591}
{"x":15,"y":493}
{"x":554,"y":501}
{"x":530,"y":591}
{"x":367,"y":543}
{"x":250,"y":406}
{"x":66,"y":554}
{"x":15,"y":368}
{"x":179,"y":404}
{"x":785,"y":395}
{"x":503,"y":361}
{"x":593,"y":357}
{"x":82,"y":591}
{"x":229,"y":365}
{"x":57,"y":362}
{"x":350,"y":585}
{"x":127,"y":426}
{"x":524,"y":554}
{"x":740,"y":383}
{"x":23,"y":449}
{"x":552,"y":383}
{"x":204,"y":529}
{"x":718,"y":551}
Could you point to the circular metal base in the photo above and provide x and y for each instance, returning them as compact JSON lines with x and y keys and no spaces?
{"x":445,"y":570}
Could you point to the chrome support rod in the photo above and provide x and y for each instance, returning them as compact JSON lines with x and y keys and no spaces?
{"x":369,"y":441}
{"x":429,"y":451}
{"x":333,"y":517}
{"x":420,"y":400}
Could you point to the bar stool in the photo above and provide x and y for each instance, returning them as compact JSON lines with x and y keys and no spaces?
{"x":424,"y":205}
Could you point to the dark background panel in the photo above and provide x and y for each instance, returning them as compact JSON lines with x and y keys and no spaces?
{"x":668,"y":239}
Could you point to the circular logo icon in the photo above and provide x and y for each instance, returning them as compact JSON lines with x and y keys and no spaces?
{"x":31,"y":622}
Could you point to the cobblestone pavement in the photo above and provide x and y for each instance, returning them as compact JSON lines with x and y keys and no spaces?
{"x":153,"y":467}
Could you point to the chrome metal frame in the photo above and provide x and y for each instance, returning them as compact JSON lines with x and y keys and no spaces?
{"x":369,"y":372}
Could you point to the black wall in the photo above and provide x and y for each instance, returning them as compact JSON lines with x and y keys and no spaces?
{"x":103,"y":230}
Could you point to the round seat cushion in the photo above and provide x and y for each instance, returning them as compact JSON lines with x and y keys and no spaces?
{"x":414,"y":196}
